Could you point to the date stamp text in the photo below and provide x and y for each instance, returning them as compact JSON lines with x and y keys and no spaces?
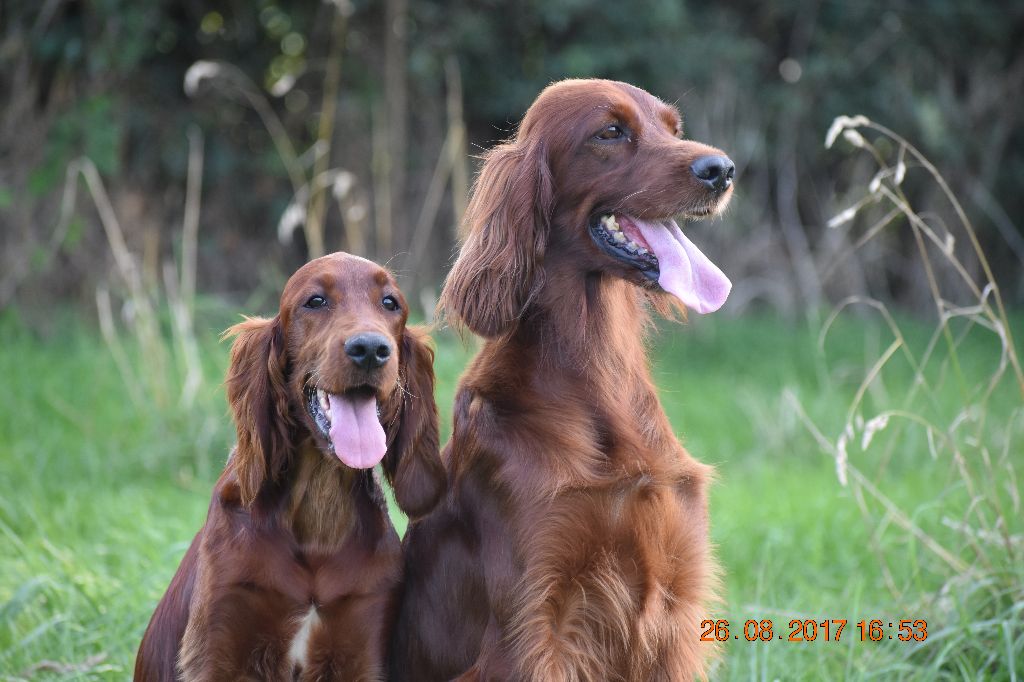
{"x":810,"y":630}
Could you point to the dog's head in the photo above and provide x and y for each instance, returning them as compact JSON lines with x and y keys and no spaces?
{"x":597,"y":173}
{"x":337,"y":365}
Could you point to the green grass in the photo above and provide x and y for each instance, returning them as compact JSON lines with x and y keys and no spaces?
{"x":101,"y":498}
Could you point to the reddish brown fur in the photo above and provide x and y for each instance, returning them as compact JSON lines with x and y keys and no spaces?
{"x":289,"y":526}
{"x":573,"y":543}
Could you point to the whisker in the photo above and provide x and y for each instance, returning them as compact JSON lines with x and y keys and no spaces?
{"x":627,"y":198}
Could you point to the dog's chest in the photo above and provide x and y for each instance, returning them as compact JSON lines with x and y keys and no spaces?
{"x":298,"y":651}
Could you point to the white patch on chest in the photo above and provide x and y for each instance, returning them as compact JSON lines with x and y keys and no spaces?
{"x":298,"y":652}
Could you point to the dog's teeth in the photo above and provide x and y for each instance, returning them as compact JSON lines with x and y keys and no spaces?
{"x":620,"y":238}
{"x":642,"y":251}
{"x":325,"y":403}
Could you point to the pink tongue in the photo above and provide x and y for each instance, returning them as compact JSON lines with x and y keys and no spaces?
{"x":686,"y":273}
{"x":356,"y":432}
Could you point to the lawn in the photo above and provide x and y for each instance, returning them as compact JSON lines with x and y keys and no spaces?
{"x":102,"y":493}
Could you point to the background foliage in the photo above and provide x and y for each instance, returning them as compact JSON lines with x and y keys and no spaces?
{"x":760,"y":80}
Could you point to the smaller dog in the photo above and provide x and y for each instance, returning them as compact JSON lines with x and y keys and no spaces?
{"x":293,"y":574}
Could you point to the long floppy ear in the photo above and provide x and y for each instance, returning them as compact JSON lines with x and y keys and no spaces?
{"x":506,"y":226}
{"x":257,"y":394}
{"x":413,"y":461}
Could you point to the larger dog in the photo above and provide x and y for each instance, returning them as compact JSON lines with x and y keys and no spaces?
{"x":293,"y":574}
{"x":573,"y":543}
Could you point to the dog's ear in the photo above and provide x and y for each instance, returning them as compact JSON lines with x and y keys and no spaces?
{"x":256,"y":392}
{"x":413,"y":461}
{"x":506,"y":229}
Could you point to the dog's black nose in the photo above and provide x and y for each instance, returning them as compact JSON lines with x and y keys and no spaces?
{"x":716,"y":172}
{"x":368,"y":350}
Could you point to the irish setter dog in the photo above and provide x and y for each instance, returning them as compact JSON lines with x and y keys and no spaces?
{"x":573,"y":541}
{"x":293,"y":575}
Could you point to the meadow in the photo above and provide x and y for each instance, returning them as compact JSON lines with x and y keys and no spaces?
{"x":104,"y":486}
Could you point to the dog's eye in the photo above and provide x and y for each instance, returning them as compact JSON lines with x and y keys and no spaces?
{"x":390,"y":303}
{"x":612,"y":132}
{"x":316,"y":302}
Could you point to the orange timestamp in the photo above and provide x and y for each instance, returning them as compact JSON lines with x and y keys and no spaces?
{"x":810,"y":630}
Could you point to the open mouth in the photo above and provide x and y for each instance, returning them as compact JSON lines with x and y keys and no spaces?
{"x":350,"y":423}
{"x":662,"y":253}
{"x":625,"y":243}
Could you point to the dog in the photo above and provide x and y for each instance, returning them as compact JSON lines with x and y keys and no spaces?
{"x":294,"y":572}
{"x":572,"y":543}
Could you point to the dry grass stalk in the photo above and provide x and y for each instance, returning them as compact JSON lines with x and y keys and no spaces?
{"x":457,"y":128}
{"x":109,"y":331}
{"x":141,"y":312}
{"x":432,"y":202}
{"x":188,"y":349}
{"x":84,"y":667}
{"x":381,"y":170}
{"x":153,"y":378}
{"x":325,"y":134}
{"x":190,"y":221}
{"x":450,"y":169}
{"x":238,"y":84}
{"x":966,"y":432}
